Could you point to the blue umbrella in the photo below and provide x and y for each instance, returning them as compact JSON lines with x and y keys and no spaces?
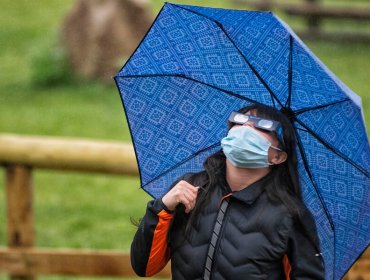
{"x":196,"y":65}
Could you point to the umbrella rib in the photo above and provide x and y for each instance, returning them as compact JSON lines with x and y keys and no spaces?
{"x":290,"y":72}
{"x":250,"y":65}
{"x":182,"y":162}
{"x":304,"y":110}
{"x":323,"y":142}
{"x":273,"y":96}
{"x":320,"y":139}
{"x":305,"y":164}
{"x":194,"y":80}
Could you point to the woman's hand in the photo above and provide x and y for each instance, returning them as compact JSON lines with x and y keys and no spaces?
{"x":182,"y":192}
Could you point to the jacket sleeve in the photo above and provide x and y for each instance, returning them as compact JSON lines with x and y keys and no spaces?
{"x":304,"y":254}
{"x":149,"y":248}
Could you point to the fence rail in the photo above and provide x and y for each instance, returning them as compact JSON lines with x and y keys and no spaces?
{"x":68,"y":154}
{"x":311,"y":8}
{"x":314,"y":12}
{"x":33,"y":261}
{"x":20,"y":155}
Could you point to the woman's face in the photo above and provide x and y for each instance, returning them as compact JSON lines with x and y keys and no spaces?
{"x":270,"y":136}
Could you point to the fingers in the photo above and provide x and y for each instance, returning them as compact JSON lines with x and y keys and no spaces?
{"x":183,"y":193}
{"x":186,"y":194}
{"x":188,"y":199}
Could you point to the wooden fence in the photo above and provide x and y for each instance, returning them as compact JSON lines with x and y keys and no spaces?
{"x":314,"y":12}
{"x":20,"y":155}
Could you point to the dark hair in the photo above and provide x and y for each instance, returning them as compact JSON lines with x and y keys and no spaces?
{"x":285,"y":187}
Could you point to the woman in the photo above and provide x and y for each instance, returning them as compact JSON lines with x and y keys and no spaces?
{"x":240,"y":218}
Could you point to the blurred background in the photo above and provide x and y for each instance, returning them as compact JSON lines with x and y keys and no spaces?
{"x":57,"y":63}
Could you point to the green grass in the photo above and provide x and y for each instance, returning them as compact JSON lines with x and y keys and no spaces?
{"x":66,"y":111}
{"x":87,"y":210}
{"x":71,"y":210}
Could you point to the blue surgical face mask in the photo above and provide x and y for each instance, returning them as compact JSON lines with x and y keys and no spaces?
{"x":245,"y":147}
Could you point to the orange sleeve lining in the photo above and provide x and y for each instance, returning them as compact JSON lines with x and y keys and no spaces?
{"x":159,"y":252}
{"x":224,"y":197}
{"x":287,"y":267}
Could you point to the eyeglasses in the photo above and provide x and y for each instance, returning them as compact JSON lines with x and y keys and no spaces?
{"x":259,"y":123}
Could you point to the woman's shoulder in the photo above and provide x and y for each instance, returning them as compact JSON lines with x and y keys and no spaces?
{"x":274,"y":206}
{"x":302,"y":221}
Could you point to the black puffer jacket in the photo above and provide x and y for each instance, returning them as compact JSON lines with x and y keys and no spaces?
{"x":254,"y":239}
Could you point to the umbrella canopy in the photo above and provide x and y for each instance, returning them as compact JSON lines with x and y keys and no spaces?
{"x":196,"y":65}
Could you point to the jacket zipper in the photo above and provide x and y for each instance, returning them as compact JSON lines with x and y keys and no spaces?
{"x":212,"y":248}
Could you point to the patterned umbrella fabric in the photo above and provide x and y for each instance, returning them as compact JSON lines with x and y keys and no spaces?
{"x":196,"y":65}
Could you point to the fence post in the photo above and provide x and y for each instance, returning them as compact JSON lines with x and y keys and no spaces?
{"x":264,"y":5}
{"x":19,"y":197}
{"x":313,"y":22}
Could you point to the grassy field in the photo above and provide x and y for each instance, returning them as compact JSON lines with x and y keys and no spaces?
{"x":84,"y":210}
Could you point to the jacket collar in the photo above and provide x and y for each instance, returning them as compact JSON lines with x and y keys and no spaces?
{"x":250,"y":193}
